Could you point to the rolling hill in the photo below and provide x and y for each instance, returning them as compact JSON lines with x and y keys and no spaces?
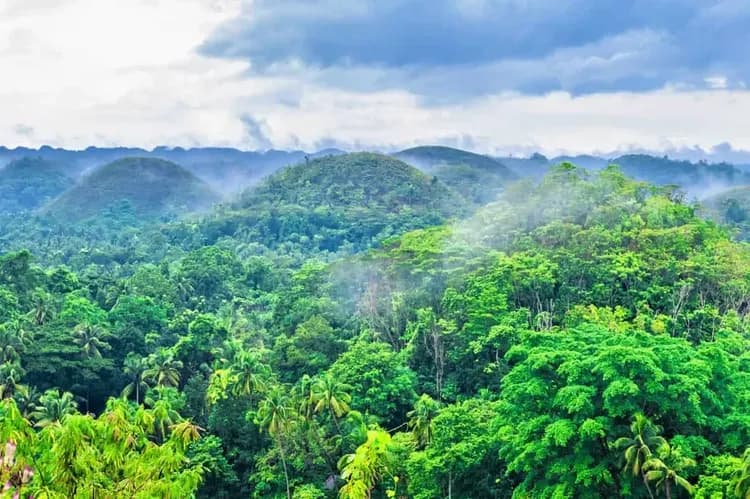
{"x":151,"y":188}
{"x":337,"y":202}
{"x":28,"y":183}
{"x":479,"y":179}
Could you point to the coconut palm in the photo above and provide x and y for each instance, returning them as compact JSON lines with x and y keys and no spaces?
{"x":164,"y":417}
{"x":43,"y":309}
{"x":53,"y":407}
{"x":27,"y":398}
{"x":329,"y":394}
{"x":13,"y":340}
{"x":421,"y":417}
{"x":663,"y":471}
{"x":163,"y":369}
{"x":275,"y":415}
{"x":135,"y":368}
{"x":10,"y":379}
{"x":249,"y":373}
{"x":640,"y":447}
{"x":90,"y":338}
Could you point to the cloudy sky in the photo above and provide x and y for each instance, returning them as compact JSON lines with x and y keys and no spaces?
{"x":501,"y":76}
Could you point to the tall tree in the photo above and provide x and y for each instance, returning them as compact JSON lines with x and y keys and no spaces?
{"x":275,"y":415}
{"x":164,"y":369}
{"x":91,"y":339}
{"x":135,"y":368}
{"x":330,"y":394}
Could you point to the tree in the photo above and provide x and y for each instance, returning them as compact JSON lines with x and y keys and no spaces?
{"x":639,"y":448}
{"x":53,"y":407}
{"x":163,"y":369}
{"x":381,"y":384}
{"x":275,"y":415}
{"x":421,"y":418}
{"x":250,"y":373}
{"x":664,"y":468}
{"x":329,"y":394}
{"x":135,"y":369}
{"x":90,"y":338}
{"x":10,"y":379}
{"x":370,"y":464}
{"x":13,"y":341}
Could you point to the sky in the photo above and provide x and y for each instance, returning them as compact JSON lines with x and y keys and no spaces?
{"x":495,"y":76}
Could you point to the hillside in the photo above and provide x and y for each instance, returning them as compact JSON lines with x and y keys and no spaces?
{"x":28,"y":183}
{"x":479,"y":179}
{"x":730,"y":207}
{"x":347,"y":201}
{"x":151,"y":188}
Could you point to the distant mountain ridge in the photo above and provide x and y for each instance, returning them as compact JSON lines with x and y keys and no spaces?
{"x":227,"y":170}
{"x":479,"y":178}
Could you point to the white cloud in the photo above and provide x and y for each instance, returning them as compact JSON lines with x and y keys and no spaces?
{"x":108,"y":72}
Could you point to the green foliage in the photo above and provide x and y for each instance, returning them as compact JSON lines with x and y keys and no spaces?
{"x":582,"y":336}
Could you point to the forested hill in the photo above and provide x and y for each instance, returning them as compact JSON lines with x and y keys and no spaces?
{"x":336,"y":203}
{"x":28,"y":183}
{"x":479,"y":179}
{"x":150,"y":187}
{"x":349,"y":329}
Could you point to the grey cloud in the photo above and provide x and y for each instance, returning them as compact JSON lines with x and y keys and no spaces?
{"x":24,"y":130}
{"x":457,"y":48}
{"x":254,"y":131}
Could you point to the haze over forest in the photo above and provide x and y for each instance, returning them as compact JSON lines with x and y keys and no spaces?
{"x":400,"y":249}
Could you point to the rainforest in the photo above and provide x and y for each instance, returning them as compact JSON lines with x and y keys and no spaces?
{"x":428,"y":324}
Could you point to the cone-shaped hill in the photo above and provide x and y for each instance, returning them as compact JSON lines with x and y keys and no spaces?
{"x":151,"y":187}
{"x":28,"y":183}
{"x":351,"y":200}
{"x":354,"y":181}
{"x":478,"y":178}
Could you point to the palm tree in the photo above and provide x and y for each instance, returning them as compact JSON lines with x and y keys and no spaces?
{"x":657,"y":470}
{"x":163,"y":369}
{"x":164,"y":417}
{"x":185,"y":289}
{"x":250,"y":374}
{"x":12,"y":343}
{"x":53,"y":407}
{"x":135,"y":368}
{"x":638,"y":447}
{"x":274,"y":414}
{"x":42,"y":310}
{"x":742,"y":478}
{"x":90,"y":338}
{"x":420,"y":419}
{"x":327,"y":393}
{"x":26,"y":397}
{"x":10,"y":379}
